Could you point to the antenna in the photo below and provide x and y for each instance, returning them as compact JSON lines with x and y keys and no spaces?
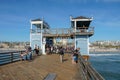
{"x":70,"y":17}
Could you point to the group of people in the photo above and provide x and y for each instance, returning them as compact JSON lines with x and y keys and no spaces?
{"x":27,"y":55}
{"x":52,"y":49}
{"x":74,"y":55}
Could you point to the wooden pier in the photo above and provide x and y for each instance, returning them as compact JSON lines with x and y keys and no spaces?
{"x":40,"y":67}
{"x":45,"y":67}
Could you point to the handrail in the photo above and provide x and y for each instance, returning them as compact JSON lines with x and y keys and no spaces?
{"x":85,"y":29}
{"x":59,"y":31}
{"x":8,"y":57}
{"x":88,"y":71}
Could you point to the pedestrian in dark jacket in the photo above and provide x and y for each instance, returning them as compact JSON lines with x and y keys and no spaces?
{"x":61,"y":54}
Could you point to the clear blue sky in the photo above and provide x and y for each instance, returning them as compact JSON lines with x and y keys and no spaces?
{"x":15,"y":16}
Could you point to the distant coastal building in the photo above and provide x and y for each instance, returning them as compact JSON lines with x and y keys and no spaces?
{"x":3,"y":45}
{"x":107,"y":42}
{"x":106,"y":46}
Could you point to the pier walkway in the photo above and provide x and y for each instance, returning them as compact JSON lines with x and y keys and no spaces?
{"x":40,"y":67}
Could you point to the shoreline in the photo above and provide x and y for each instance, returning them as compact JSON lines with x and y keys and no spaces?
{"x":104,"y":50}
{"x":90,"y":50}
{"x":10,"y":49}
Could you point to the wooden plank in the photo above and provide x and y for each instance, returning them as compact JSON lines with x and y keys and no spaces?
{"x":50,"y":76}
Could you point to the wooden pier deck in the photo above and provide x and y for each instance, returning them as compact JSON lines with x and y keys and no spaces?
{"x":40,"y":67}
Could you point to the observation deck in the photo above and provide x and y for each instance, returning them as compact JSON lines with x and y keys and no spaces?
{"x":65,"y":32}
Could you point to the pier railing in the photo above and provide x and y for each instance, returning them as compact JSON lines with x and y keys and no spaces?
{"x":8,"y":57}
{"x":63,"y":30}
{"x":88,"y":72}
{"x":59,"y":31}
{"x":85,"y":29}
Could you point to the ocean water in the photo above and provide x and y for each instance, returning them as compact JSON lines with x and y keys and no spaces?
{"x":107,"y":64}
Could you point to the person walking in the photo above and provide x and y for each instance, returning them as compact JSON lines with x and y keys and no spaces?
{"x":61,"y":54}
{"x":29,"y":55}
{"x":75,"y":56}
{"x":36,"y":50}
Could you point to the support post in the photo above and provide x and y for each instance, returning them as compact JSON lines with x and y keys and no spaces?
{"x":75,"y":33}
{"x":30,"y":33}
{"x":43,"y":46}
{"x":41,"y":36}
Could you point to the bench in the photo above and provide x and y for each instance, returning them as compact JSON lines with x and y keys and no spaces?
{"x":50,"y":76}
